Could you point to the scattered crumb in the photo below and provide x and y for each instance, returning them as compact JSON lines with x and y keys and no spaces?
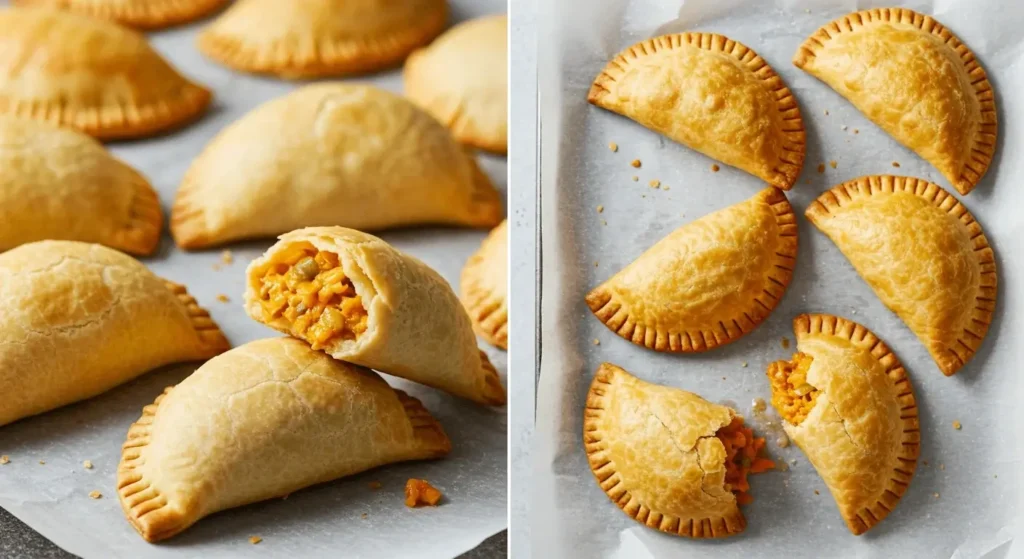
{"x":256,"y":539}
{"x":664,"y":188}
{"x":856,"y":131}
{"x":854,"y":311}
{"x":723,"y":378}
{"x":744,"y":364}
{"x":222,"y":298}
{"x":42,"y":462}
{"x":613,"y":146}
{"x":956,"y":425}
{"x":595,"y":263}
{"x":793,"y":461}
{"x":942,"y":467}
{"x":832,"y":163}
{"x":807,"y":10}
{"x":600,"y":209}
{"x":87,"y":464}
{"x":226,"y":257}
{"x":785,"y":343}
{"x":655,"y":183}
{"x":821,"y":167}
{"x":936,"y":495}
{"x":603,"y":222}
{"x":375,"y":485}
{"x":95,"y":495}
{"x":896,"y":164}
{"x":362,"y":515}
{"x":420,"y":492}
{"x":816,"y":492}
{"x":635,"y":178}
{"x":643,"y":196}
{"x":5,"y":459}
{"x":925,"y":462}
{"x":635,"y":163}
{"x":826,"y":112}
{"x":844,"y":127}
{"x":715,"y":168}
{"x":216,"y":267}
{"x":996,"y":476}
{"x":597,"y":341}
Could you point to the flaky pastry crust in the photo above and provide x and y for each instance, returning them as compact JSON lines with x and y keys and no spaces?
{"x":141,"y":14}
{"x":484,"y":287}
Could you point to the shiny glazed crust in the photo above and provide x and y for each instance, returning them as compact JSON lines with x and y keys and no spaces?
{"x":416,"y":326}
{"x":863,"y":435}
{"x":278,"y":417}
{"x":630,"y":428}
{"x":330,"y":154}
{"x":912,"y":77}
{"x":141,"y":14}
{"x":707,"y":283}
{"x":484,"y":287}
{"x":924,"y":255}
{"x":712,"y":94}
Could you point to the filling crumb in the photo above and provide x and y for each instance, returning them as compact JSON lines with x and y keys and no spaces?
{"x":744,"y":455}
{"x":792,"y":396}
{"x":420,"y":492}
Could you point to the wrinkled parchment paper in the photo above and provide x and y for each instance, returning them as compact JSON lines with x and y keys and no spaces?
{"x":963,"y":500}
{"x":324,"y":521}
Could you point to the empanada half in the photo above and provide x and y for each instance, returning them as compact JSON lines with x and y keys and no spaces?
{"x":708,"y":282}
{"x":361,"y":300}
{"x":60,"y":184}
{"x":330,"y":154}
{"x":912,"y":77}
{"x":80,"y":319}
{"x":668,"y":458}
{"x":462,"y":80}
{"x":308,"y":38}
{"x":90,"y":74}
{"x":846,"y":401}
{"x":141,"y":14}
{"x":484,"y":287}
{"x":923,"y":254}
{"x":276,"y":417}
{"x":713,"y":95}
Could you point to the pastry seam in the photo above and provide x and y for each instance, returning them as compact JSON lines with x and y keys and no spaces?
{"x":140,"y":15}
{"x":487,"y":310}
{"x":209,"y":334}
{"x":141,"y":234}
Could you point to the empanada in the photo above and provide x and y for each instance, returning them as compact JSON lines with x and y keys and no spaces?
{"x":330,"y":154}
{"x":846,"y":401}
{"x":362,"y":301}
{"x":80,"y":319}
{"x":484,"y":287}
{"x":141,"y":14}
{"x":924,"y":255}
{"x":307,"y":38}
{"x":668,"y":458}
{"x":276,"y":417}
{"x":708,"y":282}
{"x":462,"y":80}
{"x":912,"y":77}
{"x":713,"y":95}
{"x":57,"y":183}
{"x":94,"y":75}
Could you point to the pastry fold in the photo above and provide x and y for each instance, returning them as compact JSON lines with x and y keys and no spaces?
{"x":141,"y":14}
{"x":276,"y":417}
{"x":330,"y":154}
{"x":80,"y":319}
{"x":712,"y":94}
{"x":484,"y":287}
{"x":361,"y":300}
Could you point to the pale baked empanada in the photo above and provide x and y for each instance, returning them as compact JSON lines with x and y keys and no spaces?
{"x":306,"y":38}
{"x":462,"y":80}
{"x":56,"y":183}
{"x":80,"y":319}
{"x":276,"y":417}
{"x":142,"y":14}
{"x":846,"y":401}
{"x":708,"y":282}
{"x":330,"y":154}
{"x":712,"y":94}
{"x":924,"y":255}
{"x":362,"y":301}
{"x":94,"y":75}
{"x":484,"y":287}
{"x":668,"y":458}
{"x":912,"y":77}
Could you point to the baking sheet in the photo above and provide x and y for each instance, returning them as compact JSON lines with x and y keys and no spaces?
{"x":963,"y":501}
{"x":324,"y":521}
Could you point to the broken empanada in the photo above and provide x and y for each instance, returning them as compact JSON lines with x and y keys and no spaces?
{"x":708,"y":282}
{"x":330,"y":154}
{"x":846,"y":401}
{"x":668,"y":458}
{"x":462,"y":80}
{"x":91,"y":74}
{"x":59,"y":184}
{"x":308,"y":38}
{"x":713,"y":95}
{"x":276,"y":417}
{"x":80,"y":319}
{"x":912,"y":77}
{"x":924,"y":255}
{"x":361,"y":300}
{"x":141,"y":14}
{"x":484,"y":287}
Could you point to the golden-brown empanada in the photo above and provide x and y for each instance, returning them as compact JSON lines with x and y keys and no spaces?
{"x":708,"y":282}
{"x":912,"y":77}
{"x":362,"y":301}
{"x":713,"y":95}
{"x":57,"y":183}
{"x":462,"y":80}
{"x":485,"y":287}
{"x":80,"y":319}
{"x":846,"y":401}
{"x":668,"y":458}
{"x":330,"y":154}
{"x":924,"y":255}
{"x":91,"y":74}
{"x":141,"y":14}
{"x":307,"y":38}
{"x":276,"y":417}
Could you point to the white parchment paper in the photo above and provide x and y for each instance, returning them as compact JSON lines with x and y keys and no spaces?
{"x":324,"y":521}
{"x":963,"y":501}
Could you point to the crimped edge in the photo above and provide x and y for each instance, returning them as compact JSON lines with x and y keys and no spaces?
{"x":492,"y":392}
{"x":613,"y":313}
{"x":144,"y":14}
{"x":141,"y":233}
{"x":984,"y":141}
{"x":428,"y":431}
{"x":212,"y":340}
{"x":611,"y":483}
{"x":970,"y":339}
{"x":905,"y":463}
{"x":487,"y":310}
{"x":794,"y":146}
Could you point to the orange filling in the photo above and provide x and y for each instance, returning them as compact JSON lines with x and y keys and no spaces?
{"x":420,"y":492}
{"x":792,"y":396}
{"x":744,"y":455}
